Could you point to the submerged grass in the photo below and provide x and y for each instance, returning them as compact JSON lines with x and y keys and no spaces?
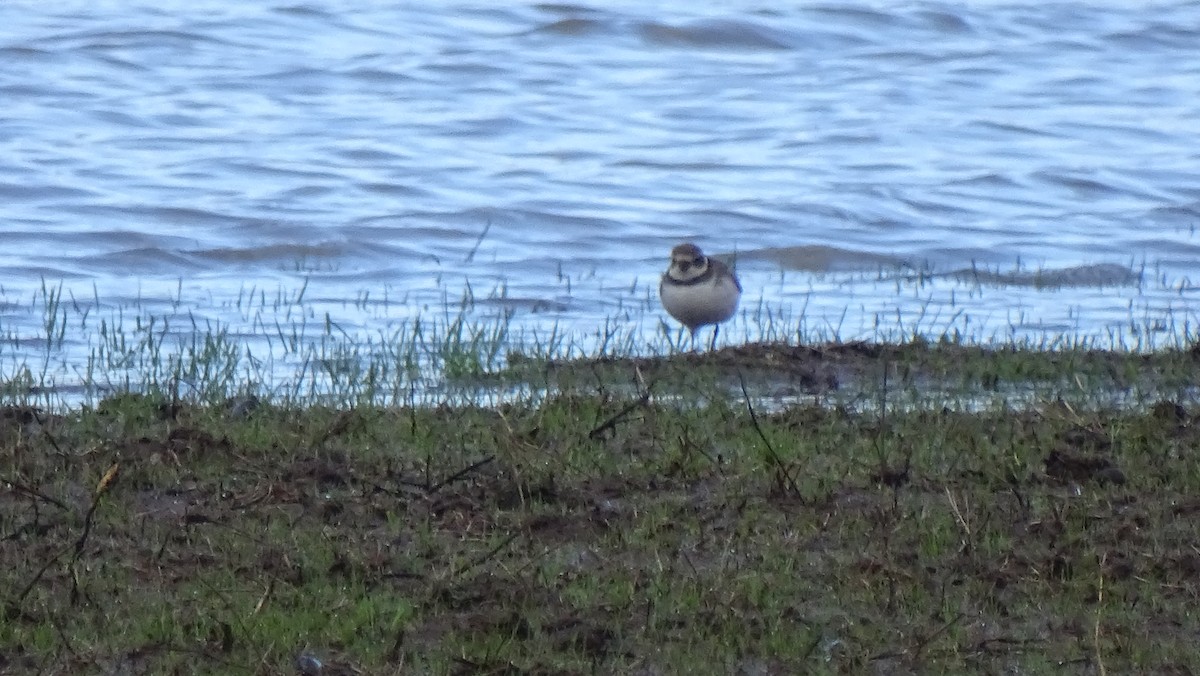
{"x":278,"y":347}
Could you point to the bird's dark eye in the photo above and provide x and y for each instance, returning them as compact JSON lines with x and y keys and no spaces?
{"x":698,"y":261}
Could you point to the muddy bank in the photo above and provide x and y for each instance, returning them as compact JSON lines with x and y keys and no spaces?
{"x":598,"y":532}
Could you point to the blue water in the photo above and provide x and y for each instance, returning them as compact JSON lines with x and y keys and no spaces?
{"x":864,"y":163}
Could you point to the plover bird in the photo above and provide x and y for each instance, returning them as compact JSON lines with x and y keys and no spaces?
{"x":698,"y":290}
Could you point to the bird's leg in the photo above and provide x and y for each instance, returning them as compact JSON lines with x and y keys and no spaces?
{"x":716,"y":331}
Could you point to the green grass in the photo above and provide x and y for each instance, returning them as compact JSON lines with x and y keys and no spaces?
{"x":679,"y":537}
{"x":460,"y":496}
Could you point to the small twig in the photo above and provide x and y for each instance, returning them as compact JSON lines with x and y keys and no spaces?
{"x":262,"y":601}
{"x":782,"y":476}
{"x":459,"y":474}
{"x":620,"y":415}
{"x":105,"y":483}
{"x":101,"y":488}
{"x":923,"y":643}
{"x":428,"y":468}
{"x":22,"y":488}
{"x":1015,"y":486}
{"x":958,"y":514}
{"x":62,"y":635}
{"x":479,"y":561}
{"x":985,"y":645}
{"x":46,"y":432}
{"x":16,"y":603}
{"x":685,"y":441}
{"x":395,"y":654}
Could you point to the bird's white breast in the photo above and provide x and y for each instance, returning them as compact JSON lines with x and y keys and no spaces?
{"x":696,"y":305}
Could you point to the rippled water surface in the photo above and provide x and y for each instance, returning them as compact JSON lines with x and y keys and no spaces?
{"x":1000,"y":169}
